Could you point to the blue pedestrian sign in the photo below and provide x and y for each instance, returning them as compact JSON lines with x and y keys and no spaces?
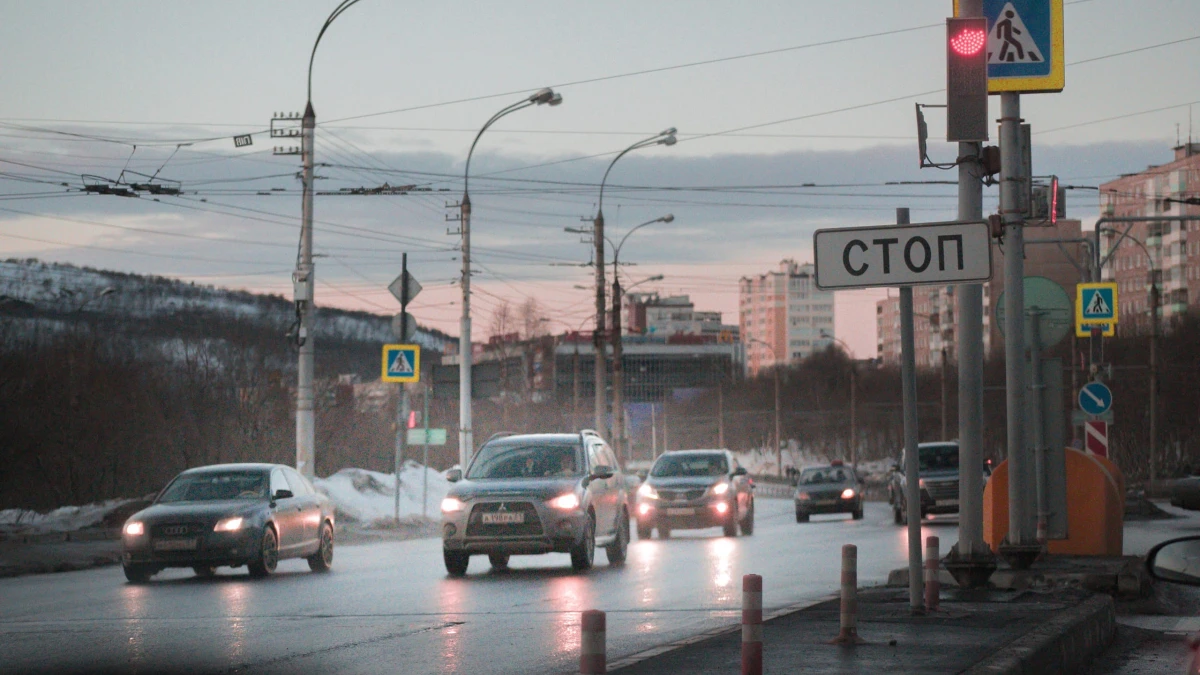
{"x":402,"y":363}
{"x":1095,"y":398}
{"x":1096,"y":303}
{"x":1024,"y":44}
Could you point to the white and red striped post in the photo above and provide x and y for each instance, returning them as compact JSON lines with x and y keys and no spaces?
{"x":848,"y":635}
{"x":933,"y":588}
{"x":752,"y":629}
{"x":592,"y":658}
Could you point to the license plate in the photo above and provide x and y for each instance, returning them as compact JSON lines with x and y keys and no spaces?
{"x":681,"y":512}
{"x":827,"y":502}
{"x":503,"y":518}
{"x":175,"y":545}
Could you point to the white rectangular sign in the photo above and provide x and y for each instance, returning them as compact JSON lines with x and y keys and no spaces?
{"x":903,"y":255}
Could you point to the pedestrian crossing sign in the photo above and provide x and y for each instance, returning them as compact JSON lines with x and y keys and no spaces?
{"x":1025,"y":45}
{"x":1084,"y":330}
{"x":1096,"y":304}
{"x":402,"y":363}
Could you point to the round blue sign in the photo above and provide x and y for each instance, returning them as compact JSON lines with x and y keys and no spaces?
{"x":1095,"y":398}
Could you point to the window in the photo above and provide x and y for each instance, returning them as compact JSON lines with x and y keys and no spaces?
{"x":300,"y":486}
{"x":278,"y":482}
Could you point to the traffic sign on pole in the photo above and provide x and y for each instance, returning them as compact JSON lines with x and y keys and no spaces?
{"x":398,"y":288}
{"x":1095,"y":398}
{"x":903,"y":255}
{"x":1096,"y":303}
{"x":402,"y":363}
{"x":1097,"y":437}
{"x":1084,"y":330}
{"x":1024,"y":45}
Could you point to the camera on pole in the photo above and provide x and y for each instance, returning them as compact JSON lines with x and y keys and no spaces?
{"x":966,"y":79}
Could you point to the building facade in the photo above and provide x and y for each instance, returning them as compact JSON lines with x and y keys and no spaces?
{"x":653,"y":315}
{"x":783,"y":317}
{"x":1165,"y":251}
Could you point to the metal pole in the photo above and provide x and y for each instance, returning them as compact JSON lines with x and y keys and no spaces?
{"x":601,"y":393}
{"x":305,"y":421}
{"x":912,"y":463}
{"x":618,"y":406}
{"x":945,"y":417}
{"x":1039,"y":431}
{"x":778,"y":426}
{"x":653,"y":431}
{"x":1154,"y":301}
{"x":575,"y":386}
{"x":666,"y":446}
{"x":465,"y":353}
{"x":720,"y":415}
{"x":854,"y":418}
{"x":1014,"y":320}
{"x":403,"y":404}
{"x":970,"y":547}
{"x":425,"y":459}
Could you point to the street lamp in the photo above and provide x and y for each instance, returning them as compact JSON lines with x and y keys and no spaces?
{"x":665,"y":137}
{"x":545,"y":96}
{"x":778,"y":429}
{"x":617,"y":346}
{"x":853,"y":400}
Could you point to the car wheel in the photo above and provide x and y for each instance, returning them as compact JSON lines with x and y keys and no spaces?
{"x":138,"y":574}
{"x":322,"y":560}
{"x":644,"y":531}
{"x":204,"y":571}
{"x":268,"y":555}
{"x":730,"y":526}
{"x":898,"y":515}
{"x":583,"y":554}
{"x":456,"y":562}
{"x":801,"y":517}
{"x":664,"y":532}
{"x":748,"y":523}
{"x":617,"y":550}
{"x":858,"y":513}
{"x":499,"y":561}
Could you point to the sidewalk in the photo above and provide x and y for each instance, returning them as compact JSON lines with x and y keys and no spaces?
{"x":975,"y":632}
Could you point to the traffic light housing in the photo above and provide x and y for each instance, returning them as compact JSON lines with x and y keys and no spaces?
{"x":966,"y":79}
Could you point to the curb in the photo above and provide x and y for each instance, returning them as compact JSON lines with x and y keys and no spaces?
{"x":1064,"y":644}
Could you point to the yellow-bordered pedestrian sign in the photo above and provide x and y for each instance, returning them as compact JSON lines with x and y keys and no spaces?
{"x":1025,"y":45}
{"x":402,"y":363}
{"x":1096,"y":303}
{"x":1106,"y":329}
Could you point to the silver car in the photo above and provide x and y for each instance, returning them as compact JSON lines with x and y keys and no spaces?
{"x":536,"y":493}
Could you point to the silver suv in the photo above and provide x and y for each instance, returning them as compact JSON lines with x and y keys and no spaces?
{"x":536,"y":493}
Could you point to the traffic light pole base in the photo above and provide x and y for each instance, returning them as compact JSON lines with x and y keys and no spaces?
{"x":973,"y":571}
{"x":1020,"y":556}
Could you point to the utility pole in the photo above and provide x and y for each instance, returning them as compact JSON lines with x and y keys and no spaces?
{"x":778,"y":425}
{"x":912,"y":459}
{"x":945,"y":421}
{"x":303,"y":282}
{"x":854,"y":417}
{"x":618,"y":406}
{"x":601,"y":393}
{"x":402,"y":403}
{"x":720,"y":415}
{"x":1154,"y":332}
{"x":575,"y":386}
{"x":465,"y":353}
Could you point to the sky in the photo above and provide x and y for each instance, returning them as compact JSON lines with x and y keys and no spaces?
{"x":792,"y":116}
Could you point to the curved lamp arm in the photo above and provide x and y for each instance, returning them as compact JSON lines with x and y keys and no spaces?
{"x":665,"y":137}
{"x":546,"y":96}
{"x":345,"y":5}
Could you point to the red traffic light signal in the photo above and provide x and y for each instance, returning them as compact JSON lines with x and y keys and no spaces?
{"x":966,"y":79}
{"x":412,"y":419}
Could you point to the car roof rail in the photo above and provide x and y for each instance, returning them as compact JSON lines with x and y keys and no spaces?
{"x":500,"y":434}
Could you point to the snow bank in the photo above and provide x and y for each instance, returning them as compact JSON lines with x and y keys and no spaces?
{"x":62,"y":519}
{"x":762,"y":462}
{"x":368,"y":497}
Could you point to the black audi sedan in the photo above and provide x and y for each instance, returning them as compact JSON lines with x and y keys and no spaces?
{"x":694,"y":489}
{"x":828,"y":489}
{"x":230,"y":515}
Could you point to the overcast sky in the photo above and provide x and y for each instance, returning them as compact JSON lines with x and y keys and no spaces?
{"x":824,"y":121}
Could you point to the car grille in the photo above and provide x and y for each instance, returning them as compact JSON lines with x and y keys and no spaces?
{"x":532,"y":526}
{"x":942,"y":489}
{"x":177,"y":530}
{"x":680,"y":495}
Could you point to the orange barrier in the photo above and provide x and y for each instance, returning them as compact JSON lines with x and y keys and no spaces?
{"x":1095,"y":507}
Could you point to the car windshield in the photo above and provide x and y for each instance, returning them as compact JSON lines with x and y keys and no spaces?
{"x":824,"y":474}
{"x":939,"y":458}
{"x":209,"y":487}
{"x":526,"y":460}
{"x":690,"y":465}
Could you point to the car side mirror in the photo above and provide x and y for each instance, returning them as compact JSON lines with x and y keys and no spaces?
{"x":454,"y":475}
{"x":601,"y":472}
{"x":282,"y":494}
{"x":740,"y":471}
{"x":1176,"y":561}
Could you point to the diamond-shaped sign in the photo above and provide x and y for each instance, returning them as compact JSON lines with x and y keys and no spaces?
{"x":397,"y":288}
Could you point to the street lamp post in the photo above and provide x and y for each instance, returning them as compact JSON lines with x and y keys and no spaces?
{"x":665,"y":137}
{"x":465,"y":443}
{"x":778,"y":425}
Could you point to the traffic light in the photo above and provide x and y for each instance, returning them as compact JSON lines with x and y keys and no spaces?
{"x":966,"y":79}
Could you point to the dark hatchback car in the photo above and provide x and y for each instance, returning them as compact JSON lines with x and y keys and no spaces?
{"x":230,"y":515}
{"x":828,"y":489}
{"x":536,"y":493}
{"x":692,"y":489}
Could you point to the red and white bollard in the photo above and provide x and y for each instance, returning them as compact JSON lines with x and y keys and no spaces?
{"x":592,"y":658}
{"x":933,"y":588}
{"x":752,"y":629}
{"x":848,"y":635}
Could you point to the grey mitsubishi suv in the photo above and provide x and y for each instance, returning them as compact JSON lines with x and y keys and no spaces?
{"x":536,"y":493}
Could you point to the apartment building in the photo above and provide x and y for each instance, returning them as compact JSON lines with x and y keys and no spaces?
{"x":783,"y":316}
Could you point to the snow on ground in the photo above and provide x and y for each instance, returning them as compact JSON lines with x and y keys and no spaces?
{"x":762,"y":462}
{"x":62,"y":519}
{"x":368,"y":497}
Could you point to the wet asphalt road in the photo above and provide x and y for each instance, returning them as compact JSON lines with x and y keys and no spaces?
{"x":389,"y":607}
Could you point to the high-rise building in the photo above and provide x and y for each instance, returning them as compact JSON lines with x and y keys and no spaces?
{"x":1174,"y":247}
{"x":783,"y":316}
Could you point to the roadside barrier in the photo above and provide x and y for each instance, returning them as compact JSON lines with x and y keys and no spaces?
{"x":933,"y":588}
{"x":752,"y":629}
{"x":592,"y":658}
{"x":849,"y":630}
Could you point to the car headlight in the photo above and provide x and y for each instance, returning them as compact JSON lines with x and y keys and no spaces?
{"x":134,"y":528}
{"x":720,"y":488}
{"x":229,"y":524}
{"x":921,"y":483}
{"x":564,"y":502}
{"x":848,"y":493}
{"x":802,"y":496}
{"x":452,"y":504}
{"x":648,"y":491}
